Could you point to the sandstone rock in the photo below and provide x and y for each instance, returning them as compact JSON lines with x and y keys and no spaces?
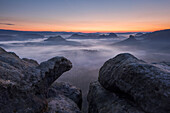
{"x":62,"y":104}
{"x":146,"y":85}
{"x":103,"y":101}
{"x":64,"y":98}
{"x":24,"y":85}
{"x":51,"y":70}
{"x":67,"y":90}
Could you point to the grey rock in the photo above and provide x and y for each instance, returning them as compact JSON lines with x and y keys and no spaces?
{"x":24,"y":84}
{"x":103,"y":101}
{"x":67,"y":90}
{"x":51,"y":70}
{"x":146,"y":85}
{"x":62,"y":104}
{"x":64,"y":98}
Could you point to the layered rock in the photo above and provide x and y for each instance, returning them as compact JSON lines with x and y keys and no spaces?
{"x":136,"y":82}
{"x":24,"y":83}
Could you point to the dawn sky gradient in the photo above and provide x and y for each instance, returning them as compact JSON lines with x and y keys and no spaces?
{"x":85,"y":15}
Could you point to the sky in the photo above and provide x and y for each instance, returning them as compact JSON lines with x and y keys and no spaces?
{"x":85,"y":15}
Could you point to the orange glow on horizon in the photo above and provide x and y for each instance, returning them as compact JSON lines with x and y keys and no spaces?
{"x":88,"y":31}
{"x":90,"y":27}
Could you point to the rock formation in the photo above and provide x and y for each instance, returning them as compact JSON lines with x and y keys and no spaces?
{"x":129,"y":85}
{"x":25,"y":86}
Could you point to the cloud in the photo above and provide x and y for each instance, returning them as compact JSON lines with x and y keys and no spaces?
{"x":9,"y":24}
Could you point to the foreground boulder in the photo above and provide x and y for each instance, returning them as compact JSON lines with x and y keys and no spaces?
{"x":65,"y":97}
{"x":67,"y":90}
{"x":103,"y":101}
{"x":136,"y":82}
{"x":24,"y":83}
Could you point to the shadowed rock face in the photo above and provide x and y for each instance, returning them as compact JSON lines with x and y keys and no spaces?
{"x":103,"y":101}
{"x":67,"y":90}
{"x":146,"y":85}
{"x":65,"y":97}
{"x":24,"y":83}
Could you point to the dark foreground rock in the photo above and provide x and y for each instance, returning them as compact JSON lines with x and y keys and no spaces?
{"x":142,"y":86}
{"x":67,"y":90}
{"x":24,"y":85}
{"x":65,"y":97}
{"x":103,"y":101}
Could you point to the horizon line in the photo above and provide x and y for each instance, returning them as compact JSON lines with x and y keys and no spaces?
{"x":83,"y":31}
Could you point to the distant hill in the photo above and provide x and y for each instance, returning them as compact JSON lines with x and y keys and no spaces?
{"x":4,"y":31}
{"x":55,"y":38}
{"x":92,"y":36}
{"x":19,"y":37}
{"x":155,"y":40}
{"x":7,"y":37}
{"x":162,"y":35}
{"x":129,"y":41}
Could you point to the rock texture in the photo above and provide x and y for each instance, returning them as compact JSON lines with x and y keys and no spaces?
{"x":136,"y":82}
{"x":67,"y":90}
{"x":65,"y":97}
{"x":24,"y":84}
{"x":103,"y":101}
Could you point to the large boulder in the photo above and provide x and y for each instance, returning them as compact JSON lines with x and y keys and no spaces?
{"x":145,"y":84}
{"x":103,"y":101}
{"x":24,"y":83}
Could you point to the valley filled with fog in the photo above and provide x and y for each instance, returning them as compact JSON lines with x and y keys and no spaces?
{"x":87,"y":57}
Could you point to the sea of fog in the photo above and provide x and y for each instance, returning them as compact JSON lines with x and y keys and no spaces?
{"x":86,"y":59}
